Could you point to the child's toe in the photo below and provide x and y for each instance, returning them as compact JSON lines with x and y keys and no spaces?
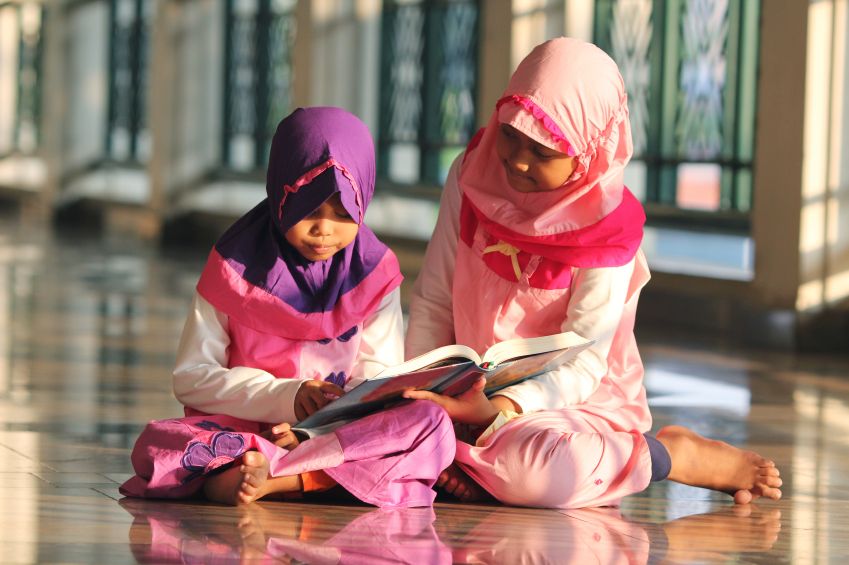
{"x":743,"y":496}
{"x":772,"y":481}
{"x":768,"y":491}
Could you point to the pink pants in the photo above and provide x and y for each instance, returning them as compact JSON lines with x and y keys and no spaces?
{"x":559,"y":459}
{"x":391,"y":458}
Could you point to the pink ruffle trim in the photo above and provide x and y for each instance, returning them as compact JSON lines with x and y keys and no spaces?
{"x":311,"y":175}
{"x":540,"y":114}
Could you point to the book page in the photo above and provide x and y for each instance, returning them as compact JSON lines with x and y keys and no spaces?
{"x":445,"y":355}
{"x":374,"y":394}
{"x":513,"y":372}
{"x":521,"y":347}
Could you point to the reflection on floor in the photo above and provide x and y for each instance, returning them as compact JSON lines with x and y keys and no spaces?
{"x":88,"y":330}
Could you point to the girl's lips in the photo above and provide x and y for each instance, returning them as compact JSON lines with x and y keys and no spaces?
{"x":520,"y":183}
{"x":518,"y":176}
{"x":321,"y":249}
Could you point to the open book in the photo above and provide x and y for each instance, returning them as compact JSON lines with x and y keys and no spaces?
{"x":448,"y":370}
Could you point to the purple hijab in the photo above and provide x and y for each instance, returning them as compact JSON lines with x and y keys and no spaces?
{"x":257,"y":278}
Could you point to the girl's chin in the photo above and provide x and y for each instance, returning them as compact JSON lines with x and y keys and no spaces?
{"x":321,"y":257}
{"x":523,"y":187}
{"x":520,"y":184}
{"x":528,"y":186}
{"x":311,"y":255}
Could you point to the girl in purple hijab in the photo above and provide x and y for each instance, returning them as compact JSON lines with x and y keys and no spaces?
{"x":298,"y":302}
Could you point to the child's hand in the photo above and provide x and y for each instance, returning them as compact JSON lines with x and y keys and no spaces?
{"x":282,"y":435}
{"x":313,"y":395}
{"x":471,"y":407}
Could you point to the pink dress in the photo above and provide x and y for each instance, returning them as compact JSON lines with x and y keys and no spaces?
{"x":388,"y":459}
{"x":504,"y":263}
{"x":267,"y":318}
{"x":591,"y":453}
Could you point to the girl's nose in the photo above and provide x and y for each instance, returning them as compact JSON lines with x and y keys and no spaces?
{"x":518,"y":163}
{"x":322,"y":227}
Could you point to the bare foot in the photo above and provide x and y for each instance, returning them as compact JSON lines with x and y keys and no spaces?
{"x":248,"y":482}
{"x":707,"y":463}
{"x":460,"y":485}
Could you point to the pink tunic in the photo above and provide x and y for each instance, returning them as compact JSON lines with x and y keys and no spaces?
{"x":588,"y":453}
{"x":388,"y":459}
{"x":591,"y":454}
{"x":509,"y":263}
{"x":270,"y":315}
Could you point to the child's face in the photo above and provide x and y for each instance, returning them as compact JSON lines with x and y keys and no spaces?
{"x":531,"y":166}
{"x":324,"y":232}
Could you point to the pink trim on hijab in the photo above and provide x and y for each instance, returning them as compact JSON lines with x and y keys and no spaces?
{"x":311,"y":175}
{"x":540,"y":115}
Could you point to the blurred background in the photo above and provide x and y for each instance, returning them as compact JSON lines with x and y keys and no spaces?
{"x":153,"y":119}
{"x":133,"y":132}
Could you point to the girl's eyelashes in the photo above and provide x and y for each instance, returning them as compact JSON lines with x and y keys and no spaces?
{"x":507,"y":131}
{"x":340,"y":211}
{"x":542,"y":153}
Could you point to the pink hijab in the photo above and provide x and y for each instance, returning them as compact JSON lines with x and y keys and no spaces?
{"x":567,"y":95}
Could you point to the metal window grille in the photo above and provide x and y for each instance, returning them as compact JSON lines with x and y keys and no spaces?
{"x":690,"y":69}
{"x":259,"y":38}
{"x":129,"y":29}
{"x":24,"y":22}
{"x":429,"y":59}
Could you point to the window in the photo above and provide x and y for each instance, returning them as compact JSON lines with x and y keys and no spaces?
{"x":20,"y":77}
{"x":428,"y":76}
{"x":259,"y":38}
{"x":127,"y":136}
{"x":690,"y":70}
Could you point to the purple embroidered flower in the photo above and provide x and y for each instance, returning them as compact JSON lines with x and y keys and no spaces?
{"x":223,"y":448}
{"x":338,"y":379}
{"x":348,"y":335}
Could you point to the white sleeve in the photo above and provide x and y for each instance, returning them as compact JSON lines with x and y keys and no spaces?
{"x":431,"y":322}
{"x":202,"y":381}
{"x":594,"y":312}
{"x":382,"y":341}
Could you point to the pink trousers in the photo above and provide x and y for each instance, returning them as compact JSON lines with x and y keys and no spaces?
{"x":559,"y":459}
{"x":388,"y":459}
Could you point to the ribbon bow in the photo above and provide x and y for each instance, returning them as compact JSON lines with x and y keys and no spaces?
{"x":506,"y":249}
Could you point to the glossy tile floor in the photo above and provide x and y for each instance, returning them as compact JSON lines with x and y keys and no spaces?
{"x":88,"y":329}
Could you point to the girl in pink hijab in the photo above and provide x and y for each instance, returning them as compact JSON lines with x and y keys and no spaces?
{"x":537,"y":234}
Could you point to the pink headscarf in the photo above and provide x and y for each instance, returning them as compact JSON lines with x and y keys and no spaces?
{"x":567,"y":95}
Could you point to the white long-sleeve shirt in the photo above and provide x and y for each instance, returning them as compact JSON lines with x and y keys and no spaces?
{"x":202,"y":381}
{"x":594,"y":311}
